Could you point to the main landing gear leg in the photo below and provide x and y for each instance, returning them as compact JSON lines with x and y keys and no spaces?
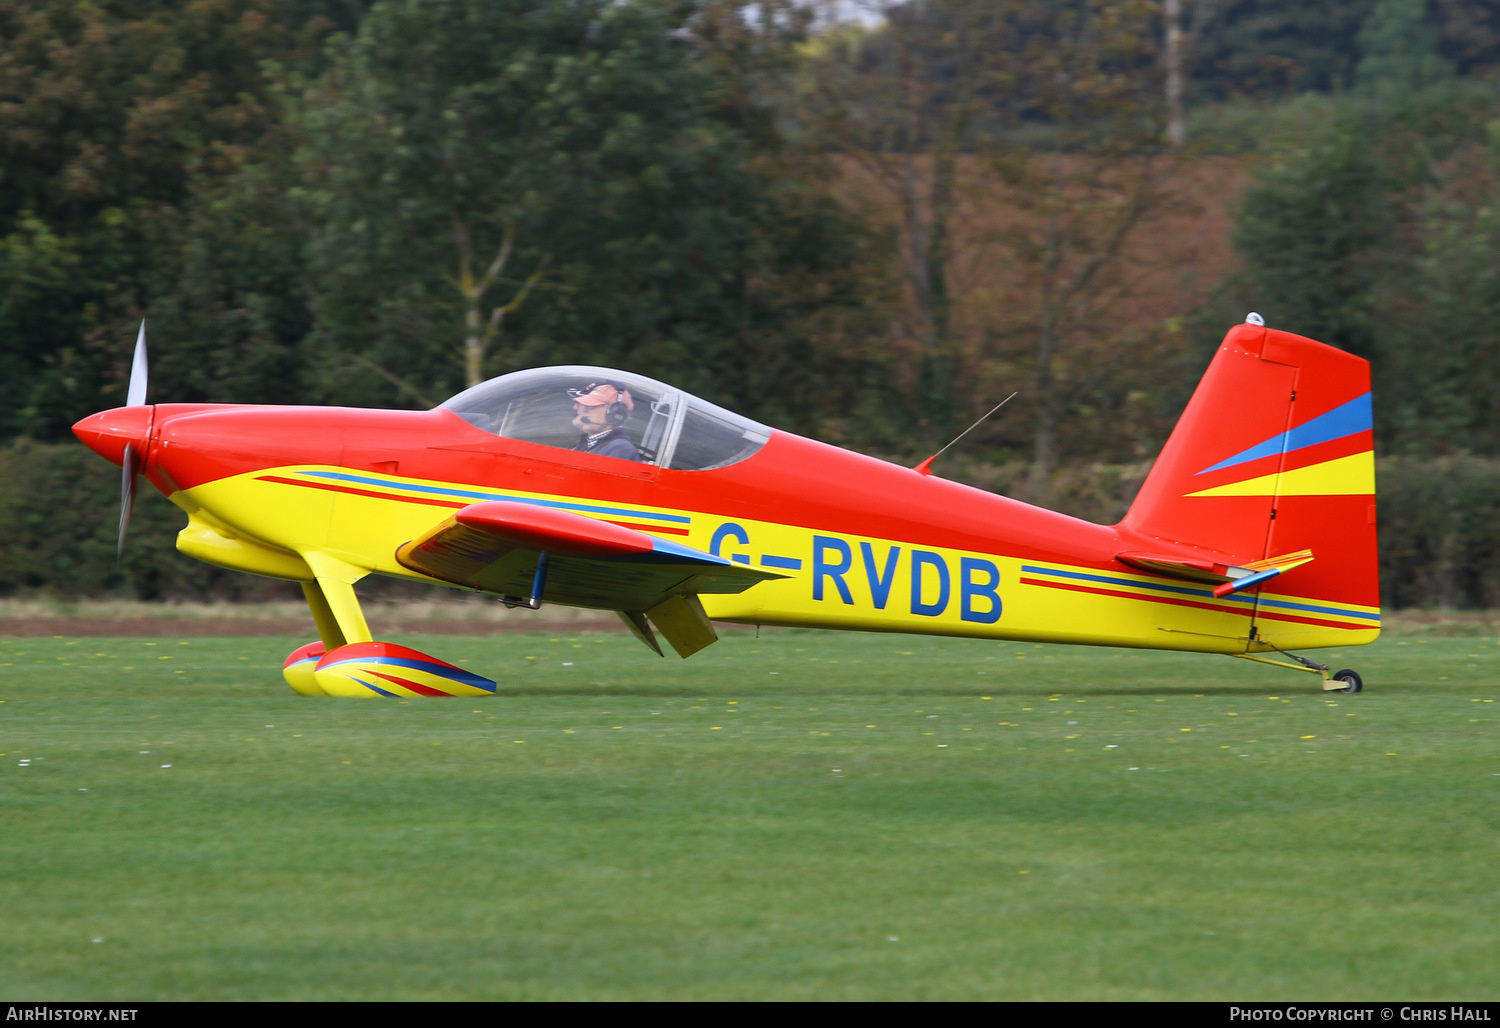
{"x":337,"y":614}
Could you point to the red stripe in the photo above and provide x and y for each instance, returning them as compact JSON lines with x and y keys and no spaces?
{"x":660,"y":529}
{"x":422,"y":690}
{"x":359,"y":492}
{"x":439,"y":503}
{"x":1310,"y":621}
{"x":1190,"y":603}
{"x":1135,"y":596}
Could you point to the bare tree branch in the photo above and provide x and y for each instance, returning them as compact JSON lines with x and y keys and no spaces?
{"x":396,"y":380}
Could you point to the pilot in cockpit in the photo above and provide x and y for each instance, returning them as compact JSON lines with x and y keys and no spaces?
{"x":599,"y":411}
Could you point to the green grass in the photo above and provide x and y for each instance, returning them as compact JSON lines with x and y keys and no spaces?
{"x":802,"y":815}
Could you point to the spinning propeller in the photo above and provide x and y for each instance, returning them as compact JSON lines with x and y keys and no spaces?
{"x":130,"y":466}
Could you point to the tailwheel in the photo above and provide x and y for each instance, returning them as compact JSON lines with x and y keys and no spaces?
{"x":1351,"y":682}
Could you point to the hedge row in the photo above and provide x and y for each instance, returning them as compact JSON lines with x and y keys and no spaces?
{"x":59,"y":522}
{"x":59,"y":505}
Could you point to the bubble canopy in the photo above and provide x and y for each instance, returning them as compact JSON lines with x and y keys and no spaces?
{"x":666,"y":426}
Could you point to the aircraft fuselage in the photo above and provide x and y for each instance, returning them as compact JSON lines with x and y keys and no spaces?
{"x":292,"y":492}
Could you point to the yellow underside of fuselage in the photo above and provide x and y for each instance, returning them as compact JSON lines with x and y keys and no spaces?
{"x":268,"y":522}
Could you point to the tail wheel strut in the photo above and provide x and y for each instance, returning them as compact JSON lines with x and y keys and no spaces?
{"x":1340,"y":681}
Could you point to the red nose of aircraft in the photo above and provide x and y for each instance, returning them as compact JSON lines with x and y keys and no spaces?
{"x":107,"y":432}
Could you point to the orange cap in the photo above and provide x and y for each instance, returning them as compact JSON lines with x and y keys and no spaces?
{"x":602,"y":395}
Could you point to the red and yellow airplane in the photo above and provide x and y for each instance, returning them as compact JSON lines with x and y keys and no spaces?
{"x":1254,"y":533}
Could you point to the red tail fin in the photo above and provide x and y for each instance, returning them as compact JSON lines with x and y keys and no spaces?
{"x":1274,"y":454}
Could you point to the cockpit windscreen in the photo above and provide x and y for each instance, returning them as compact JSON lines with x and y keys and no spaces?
{"x":611,"y":413}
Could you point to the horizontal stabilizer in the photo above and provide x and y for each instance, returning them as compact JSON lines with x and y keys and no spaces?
{"x":1229,"y":577}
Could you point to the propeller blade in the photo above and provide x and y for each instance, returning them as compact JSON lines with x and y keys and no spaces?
{"x":136,"y":395}
{"x":129,"y":468}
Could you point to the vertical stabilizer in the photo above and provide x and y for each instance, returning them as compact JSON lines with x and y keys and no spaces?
{"x":1274,"y":455}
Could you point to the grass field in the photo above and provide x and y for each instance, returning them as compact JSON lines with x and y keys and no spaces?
{"x":800,"y":815}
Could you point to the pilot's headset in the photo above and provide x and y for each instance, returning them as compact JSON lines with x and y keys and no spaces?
{"x":614,"y":398}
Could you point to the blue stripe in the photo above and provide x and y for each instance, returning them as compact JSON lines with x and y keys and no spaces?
{"x":1241,"y":584}
{"x":475,"y":495}
{"x":1234,"y":597}
{"x":788,"y":563}
{"x":1355,"y":416}
{"x":375,"y":688}
{"x":1184,"y":590}
{"x":671,"y":549}
{"x":1320,"y":610}
{"x":441,"y":671}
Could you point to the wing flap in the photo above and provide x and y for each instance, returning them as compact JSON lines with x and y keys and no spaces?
{"x":639,"y":627}
{"x":683,"y":621}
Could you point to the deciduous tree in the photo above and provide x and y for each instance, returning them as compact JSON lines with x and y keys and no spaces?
{"x":109,"y":115}
{"x":593,"y":178}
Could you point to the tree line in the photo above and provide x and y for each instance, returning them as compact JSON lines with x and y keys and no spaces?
{"x":379,"y":204}
{"x":864,"y":230}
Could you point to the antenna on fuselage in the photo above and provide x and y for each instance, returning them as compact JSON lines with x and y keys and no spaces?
{"x":925,"y":467}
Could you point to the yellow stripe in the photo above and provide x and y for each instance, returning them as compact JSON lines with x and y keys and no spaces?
{"x":1353,"y":475}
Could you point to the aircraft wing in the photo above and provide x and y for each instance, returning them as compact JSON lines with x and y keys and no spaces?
{"x":531,"y":552}
{"x":1228,"y":577}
